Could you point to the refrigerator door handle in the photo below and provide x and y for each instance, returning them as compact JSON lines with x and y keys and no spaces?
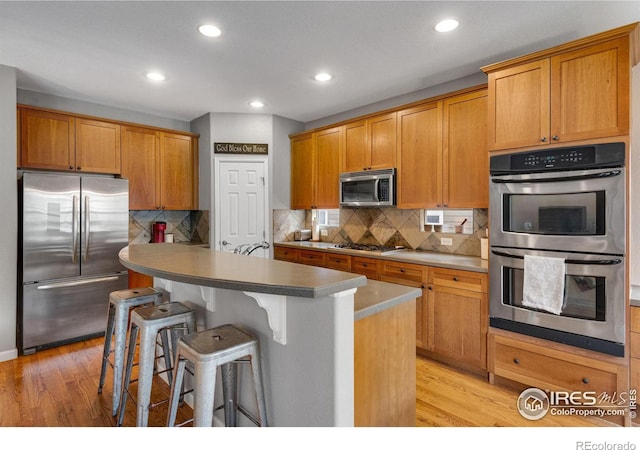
{"x":75,"y":283}
{"x":74,"y":230}
{"x":87,"y":231}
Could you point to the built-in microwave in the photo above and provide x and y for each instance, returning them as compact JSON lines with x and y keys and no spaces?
{"x":369,"y":188}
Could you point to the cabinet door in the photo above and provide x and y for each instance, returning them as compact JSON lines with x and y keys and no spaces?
{"x":177,"y":172}
{"x":47,"y":140}
{"x":590,"y":92}
{"x":97,"y":146}
{"x":382,"y":141}
{"x":327,"y":150}
{"x":365,"y":266}
{"x":285,"y":253}
{"x":302,"y":172}
{"x":465,"y":178}
{"x":356,"y":155}
{"x":519,"y":106}
{"x":140,"y":163}
{"x":457,"y":324}
{"x":419,"y":181}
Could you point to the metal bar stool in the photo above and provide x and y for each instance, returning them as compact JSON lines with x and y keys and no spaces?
{"x":150,"y":321}
{"x":224,"y":346}
{"x":120,"y":305}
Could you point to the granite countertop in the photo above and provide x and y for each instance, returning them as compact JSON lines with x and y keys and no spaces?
{"x":377,"y":296}
{"x":459,"y":262}
{"x":206,"y":267}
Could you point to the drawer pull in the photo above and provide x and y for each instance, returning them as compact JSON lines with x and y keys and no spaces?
{"x":422,"y":286}
{"x":516,"y":361}
{"x":455,"y":278}
{"x":364,"y":265}
{"x":585,"y":380}
{"x":401,"y":270}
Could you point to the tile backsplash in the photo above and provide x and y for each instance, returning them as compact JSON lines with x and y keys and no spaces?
{"x":192,"y":226}
{"x":385,"y":226}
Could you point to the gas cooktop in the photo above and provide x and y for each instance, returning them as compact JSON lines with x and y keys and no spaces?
{"x":371,"y":249}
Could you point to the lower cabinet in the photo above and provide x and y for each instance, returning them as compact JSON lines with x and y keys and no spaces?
{"x":139,"y":280}
{"x":457,"y":312}
{"x":451,"y":314}
{"x":555,"y":367}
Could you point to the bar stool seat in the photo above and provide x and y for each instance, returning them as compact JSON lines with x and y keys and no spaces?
{"x":150,"y":321}
{"x":223,"y":346}
{"x":120,"y":305}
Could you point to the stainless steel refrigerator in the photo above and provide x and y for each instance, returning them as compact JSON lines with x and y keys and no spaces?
{"x":71,"y":230}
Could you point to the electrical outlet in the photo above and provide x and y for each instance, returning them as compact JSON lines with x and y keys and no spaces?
{"x":446,"y":241}
{"x":324,"y":232}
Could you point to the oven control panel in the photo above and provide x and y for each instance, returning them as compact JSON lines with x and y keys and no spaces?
{"x":559,"y":158}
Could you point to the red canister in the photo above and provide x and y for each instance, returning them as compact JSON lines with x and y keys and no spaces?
{"x":158,"y":231}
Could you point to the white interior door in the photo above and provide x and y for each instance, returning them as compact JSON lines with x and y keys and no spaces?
{"x":241,"y":205}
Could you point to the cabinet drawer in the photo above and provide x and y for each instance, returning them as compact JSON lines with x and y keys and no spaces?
{"x":339,"y":262}
{"x":634,"y":345}
{"x":458,"y":279}
{"x":365,"y":266}
{"x":312,"y":258}
{"x":285,"y":254}
{"x":635,"y":319}
{"x":546,"y":371}
{"x":407,"y":274}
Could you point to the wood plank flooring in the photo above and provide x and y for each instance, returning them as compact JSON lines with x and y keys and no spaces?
{"x":58,"y":388}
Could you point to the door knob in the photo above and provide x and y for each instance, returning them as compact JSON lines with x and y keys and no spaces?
{"x":225,"y":243}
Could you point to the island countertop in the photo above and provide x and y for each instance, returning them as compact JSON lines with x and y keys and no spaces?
{"x":207,"y":267}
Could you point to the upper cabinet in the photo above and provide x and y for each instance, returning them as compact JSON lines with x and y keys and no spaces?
{"x":315,"y":169}
{"x":573,"y":92}
{"x":162,"y":169}
{"x":442,"y":153}
{"x":370,"y":144}
{"x":419,"y":181}
{"x":56,"y":141}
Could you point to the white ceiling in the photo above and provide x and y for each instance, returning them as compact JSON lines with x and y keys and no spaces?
{"x":100,"y":51}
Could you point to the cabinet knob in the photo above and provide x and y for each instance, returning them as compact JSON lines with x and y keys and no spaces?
{"x":364,"y":265}
{"x":585,"y":380}
{"x":555,"y":138}
{"x":445,"y":205}
{"x":71,"y":167}
{"x":438,"y":205}
{"x":544,"y":139}
{"x":401,"y":270}
{"x":516,"y":361}
{"x":430,"y":288}
{"x":455,"y":278}
{"x":422,"y":286}
{"x":79,"y":168}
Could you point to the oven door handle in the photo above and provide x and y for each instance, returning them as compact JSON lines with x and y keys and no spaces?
{"x":591,"y":176}
{"x":595,"y":262}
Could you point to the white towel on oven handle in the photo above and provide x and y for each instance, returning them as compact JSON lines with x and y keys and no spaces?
{"x":543,"y":283}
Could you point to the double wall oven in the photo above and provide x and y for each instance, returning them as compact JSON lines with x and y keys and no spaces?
{"x":566,"y":203}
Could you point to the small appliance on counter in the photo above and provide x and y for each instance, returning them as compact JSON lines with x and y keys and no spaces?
{"x":302,"y":235}
{"x":158,"y":229}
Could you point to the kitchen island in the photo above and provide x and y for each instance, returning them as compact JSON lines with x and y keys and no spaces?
{"x":303,"y":316}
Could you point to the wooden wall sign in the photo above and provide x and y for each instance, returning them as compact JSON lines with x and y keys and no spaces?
{"x":240,"y":149}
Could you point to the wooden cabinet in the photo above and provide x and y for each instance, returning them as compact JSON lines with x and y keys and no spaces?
{"x":338,"y":262}
{"x":285,"y":253}
{"x":370,"y":144}
{"x":457,"y":315}
{"x":419,"y":180}
{"x":139,"y":280}
{"x":162,"y":169}
{"x":465,"y":161}
{"x":369,"y":267}
{"x":555,"y":367}
{"x":416,"y":276}
{"x":573,"y":92}
{"x":312,"y":258}
{"x":315,"y":169}
{"x":57,"y":141}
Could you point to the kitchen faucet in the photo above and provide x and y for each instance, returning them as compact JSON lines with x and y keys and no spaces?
{"x":250,"y":248}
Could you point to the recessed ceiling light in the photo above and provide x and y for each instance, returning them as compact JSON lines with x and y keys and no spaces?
{"x":210,"y":30}
{"x":447,"y":25}
{"x":155,"y":76}
{"x":323,"y":76}
{"x":256,"y":104}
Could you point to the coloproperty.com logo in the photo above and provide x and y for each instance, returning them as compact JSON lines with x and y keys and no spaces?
{"x":534,"y":403}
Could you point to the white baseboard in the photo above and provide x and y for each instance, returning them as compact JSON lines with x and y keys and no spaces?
{"x":8,"y":355}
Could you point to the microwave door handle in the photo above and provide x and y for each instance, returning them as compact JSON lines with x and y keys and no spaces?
{"x":591,"y":176}
{"x":595,"y":262}
{"x":377,"y":189}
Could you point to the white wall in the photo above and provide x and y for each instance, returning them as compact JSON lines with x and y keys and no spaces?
{"x":634,"y":187}
{"x":280,"y":161}
{"x":9,"y":208}
{"x":202,"y":126}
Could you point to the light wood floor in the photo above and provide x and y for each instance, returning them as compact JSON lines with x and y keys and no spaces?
{"x":58,"y":388}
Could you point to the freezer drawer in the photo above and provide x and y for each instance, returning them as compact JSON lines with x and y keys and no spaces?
{"x":59,"y":312}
